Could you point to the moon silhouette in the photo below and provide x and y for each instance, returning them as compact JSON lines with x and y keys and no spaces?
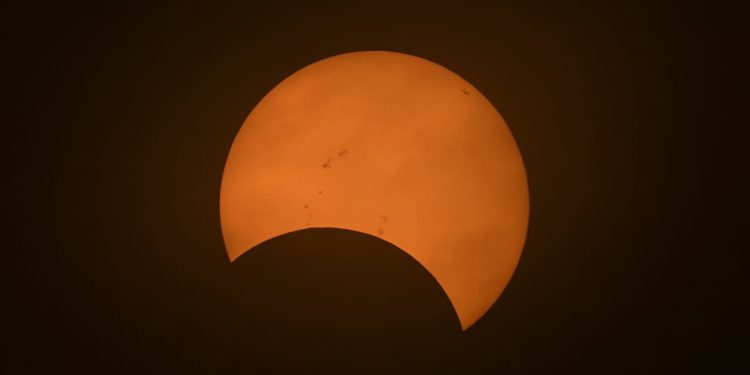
{"x":391,"y":145}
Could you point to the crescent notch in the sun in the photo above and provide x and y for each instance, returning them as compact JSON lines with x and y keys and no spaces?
{"x":391,"y":145}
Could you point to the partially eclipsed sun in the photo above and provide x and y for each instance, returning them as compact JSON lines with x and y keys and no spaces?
{"x":391,"y":145}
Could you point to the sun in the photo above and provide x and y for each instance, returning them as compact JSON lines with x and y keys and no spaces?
{"x":390,"y":145}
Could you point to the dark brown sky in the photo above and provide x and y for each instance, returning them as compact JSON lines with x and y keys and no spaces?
{"x":629,"y":119}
